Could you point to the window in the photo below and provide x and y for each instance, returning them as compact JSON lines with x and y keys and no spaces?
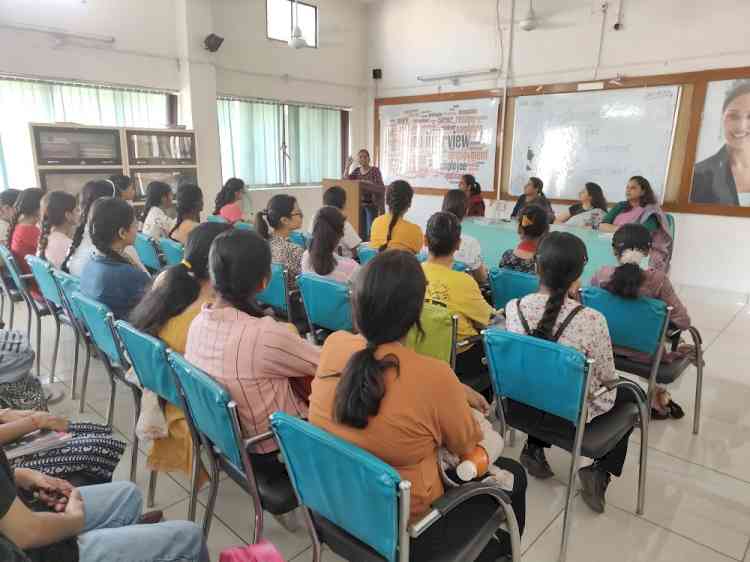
{"x":23,"y":102}
{"x":269,"y":143}
{"x":280,"y":20}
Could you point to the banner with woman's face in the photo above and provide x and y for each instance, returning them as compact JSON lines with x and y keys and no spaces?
{"x":721,"y":174}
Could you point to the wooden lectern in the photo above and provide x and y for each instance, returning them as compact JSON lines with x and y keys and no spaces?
{"x":360,"y":196}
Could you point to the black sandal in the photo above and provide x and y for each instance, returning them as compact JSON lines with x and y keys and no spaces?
{"x":675,"y":410}
{"x":657,"y":415}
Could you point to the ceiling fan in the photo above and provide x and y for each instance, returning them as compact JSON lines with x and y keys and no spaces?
{"x":531,"y":20}
{"x":296,"y":41}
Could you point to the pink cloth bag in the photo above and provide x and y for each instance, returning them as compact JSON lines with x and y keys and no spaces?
{"x":264,"y":551}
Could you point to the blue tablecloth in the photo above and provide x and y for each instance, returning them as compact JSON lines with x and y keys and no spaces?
{"x":496,"y":236}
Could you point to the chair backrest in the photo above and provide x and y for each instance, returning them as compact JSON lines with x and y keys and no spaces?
{"x":507,"y":284}
{"x":99,"y":322}
{"x":671,"y":225}
{"x":633,"y":323}
{"x":148,"y":356}
{"x":42,"y":271}
{"x":172,"y":251}
{"x":244,"y":225}
{"x":216,"y":218}
{"x":208,"y":405}
{"x":298,"y":237}
{"x":327,"y":303}
{"x":460,"y":266}
{"x":439,"y":339}
{"x":366,"y":253}
{"x":351,"y":488}
{"x":275,"y":295}
{"x":536,"y":372}
{"x":11,"y":266}
{"x":146,"y":248}
{"x":68,"y":285}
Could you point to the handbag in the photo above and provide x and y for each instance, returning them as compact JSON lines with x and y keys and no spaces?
{"x":263,"y":551}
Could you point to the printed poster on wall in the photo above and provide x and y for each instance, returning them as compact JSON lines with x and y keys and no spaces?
{"x":433,"y":144}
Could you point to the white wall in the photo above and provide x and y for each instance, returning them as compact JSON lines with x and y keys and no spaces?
{"x":415,"y":37}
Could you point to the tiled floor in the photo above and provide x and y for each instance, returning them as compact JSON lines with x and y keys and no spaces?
{"x":698,"y":495}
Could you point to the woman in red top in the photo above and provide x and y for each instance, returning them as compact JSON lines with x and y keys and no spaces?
{"x":473,"y":190}
{"x":23,"y":231}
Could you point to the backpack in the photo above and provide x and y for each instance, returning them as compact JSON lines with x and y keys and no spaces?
{"x":19,"y":389}
{"x":263,"y":551}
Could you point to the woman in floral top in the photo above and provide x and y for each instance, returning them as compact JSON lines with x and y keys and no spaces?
{"x":533,"y":224}
{"x":550,"y":314}
{"x":283,"y":215}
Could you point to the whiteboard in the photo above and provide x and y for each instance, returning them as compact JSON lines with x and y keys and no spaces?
{"x":605,"y":137}
{"x":433,"y":144}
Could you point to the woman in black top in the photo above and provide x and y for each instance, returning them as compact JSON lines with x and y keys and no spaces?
{"x":533,"y":192}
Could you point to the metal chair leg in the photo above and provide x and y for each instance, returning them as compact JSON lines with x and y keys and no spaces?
{"x":151,"y":489}
{"x":212,"y":493}
{"x":12,"y":306}
{"x":134,"y":453}
{"x":56,"y":347}
{"x":38,"y":344}
{"x":698,"y":382}
{"x":311,"y":530}
{"x":74,"y":380}
{"x":2,"y":305}
{"x":112,"y":396}
{"x":85,"y":377}
{"x":28,"y":325}
{"x":192,"y":502}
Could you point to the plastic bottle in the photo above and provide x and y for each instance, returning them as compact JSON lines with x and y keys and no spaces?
{"x":474,"y":464}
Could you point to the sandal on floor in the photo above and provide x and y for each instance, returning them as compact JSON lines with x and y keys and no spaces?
{"x":675,"y":410}
{"x":657,"y":415}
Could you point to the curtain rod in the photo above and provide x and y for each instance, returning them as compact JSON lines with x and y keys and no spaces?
{"x":100,"y":85}
{"x":282,"y":102}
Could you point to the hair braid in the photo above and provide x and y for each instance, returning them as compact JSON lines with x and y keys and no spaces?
{"x":77,"y":237}
{"x":398,"y":198}
{"x":551,"y":311}
{"x":11,"y":227}
{"x":44,"y":238}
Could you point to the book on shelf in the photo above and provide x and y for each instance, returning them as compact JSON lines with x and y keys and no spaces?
{"x":36,"y":442}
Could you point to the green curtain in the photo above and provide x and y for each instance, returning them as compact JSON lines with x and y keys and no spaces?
{"x":314,"y":144}
{"x":250,"y":139}
{"x":23,"y":102}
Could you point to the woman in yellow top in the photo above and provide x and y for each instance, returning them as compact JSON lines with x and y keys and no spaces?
{"x":177,"y":296}
{"x":391,"y":231}
{"x":460,"y":293}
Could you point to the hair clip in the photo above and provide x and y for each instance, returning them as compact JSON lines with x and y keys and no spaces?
{"x":187,"y":264}
{"x":526,"y":221}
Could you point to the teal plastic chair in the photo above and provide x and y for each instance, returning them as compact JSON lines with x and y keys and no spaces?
{"x":216,"y":218}
{"x":39,"y":309}
{"x":244,"y":225}
{"x":67,"y":285}
{"x":148,"y":357}
{"x":642,"y":325}
{"x":276,"y":294}
{"x":51,"y":292}
{"x":172,"y":251}
{"x":298,"y":237}
{"x":100,"y":325}
{"x":554,"y":379}
{"x":327,"y":304}
{"x":213,"y":417}
{"x":507,"y":284}
{"x":671,"y":225}
{"x":457,"y":265}
{"x":366,"y":253}
{"x":359,"y":506}
{"x":148,"y":252}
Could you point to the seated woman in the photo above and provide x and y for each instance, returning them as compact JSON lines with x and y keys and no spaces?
{"x":391,"y":231}
{"x":553,"y":315}
{"x":124,"y":187}
{"x":229,"y":201}
{"x":8,"y":199}
{"x":283,"y":215}
{"x":460,"y":293}
{"x":533,"y":192}
{"x":641,"y":207}
{"x":90,"y":457}
{"x":88,"y":524}
{"x":591,"y":210}
{"x":59,"y":221}
{"x":475,"y":203}
{"x":470,"y":252}
{"x":156,"y":223}
{"x":335,"y":196}
{"x":263,"y":363}
{"x":189,"y":207}
{"x":165,"y":312}
{"x":23,"y":230}
{"x":321,"y":258}
{"x":632,"y":245}
{"x":81,"y":249}
{"x":109,"y":276}
{"x":532,"y":227}
{"x":370,"y":390}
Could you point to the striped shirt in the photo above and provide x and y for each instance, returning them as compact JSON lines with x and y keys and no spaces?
{"x":253,"y":358}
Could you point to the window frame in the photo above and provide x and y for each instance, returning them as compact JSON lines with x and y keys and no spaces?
{"x":291,"y":29}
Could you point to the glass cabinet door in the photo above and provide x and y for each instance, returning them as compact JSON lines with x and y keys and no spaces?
{"x":150,"y":148}
{"x":56,"y":146}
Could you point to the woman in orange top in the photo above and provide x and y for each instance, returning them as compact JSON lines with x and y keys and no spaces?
{"x":376,"y":393}
{"x":391,"y":231}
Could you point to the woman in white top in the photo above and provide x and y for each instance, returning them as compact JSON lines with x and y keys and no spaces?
{"x":157,"y":224}
{"x":322,"y":258}
{"x":60,"y":217}
{"x":335,"y":196}
{"x":470,"y":252}
{"x":81,"y":249}
{"x":589,"y":212}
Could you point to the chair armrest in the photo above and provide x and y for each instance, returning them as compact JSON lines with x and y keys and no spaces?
{"x":27,"y":276}
{"x":452,"y":499}
{"x":257,"y":439}
{"x":468,"y":341}
{"x":634,"y":388}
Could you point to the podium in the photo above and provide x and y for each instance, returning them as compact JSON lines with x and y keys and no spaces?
{"x":363,"y":200}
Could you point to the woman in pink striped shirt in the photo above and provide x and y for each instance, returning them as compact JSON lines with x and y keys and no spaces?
{"x":264,"y":364}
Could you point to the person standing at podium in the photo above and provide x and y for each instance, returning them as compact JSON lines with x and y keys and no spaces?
{"x":364,"y":172}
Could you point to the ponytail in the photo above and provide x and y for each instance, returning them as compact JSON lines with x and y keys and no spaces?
{"x":261,"y":226}
{"x":11,"y":227}
{"x":626,"y":281}
{"x":280,"y":206}
{"x":631,"y":244}
{"x":228,"y":193}
{"x":398,"y":198}
{"x":44,"y":238}
{"x":91,"y":192}
{"x":362,"y":387}
{"x":58,"y":205}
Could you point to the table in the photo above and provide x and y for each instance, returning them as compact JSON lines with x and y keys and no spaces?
{"x":495,"y":236}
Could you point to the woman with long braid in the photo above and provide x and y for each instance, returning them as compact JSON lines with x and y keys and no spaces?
{"x":189,"y":207}
{"x":23,"y":230}
{"x":109,"y":276}
{"x":391,"y":231}
{"x":552,"y":314}
{"x":229,"y":201}
{"x":59,"y":220}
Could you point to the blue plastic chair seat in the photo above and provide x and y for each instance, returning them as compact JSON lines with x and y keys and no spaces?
{"x":172,"y":251}
{"x":145,"y":247}
{"x":506,"y":285}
